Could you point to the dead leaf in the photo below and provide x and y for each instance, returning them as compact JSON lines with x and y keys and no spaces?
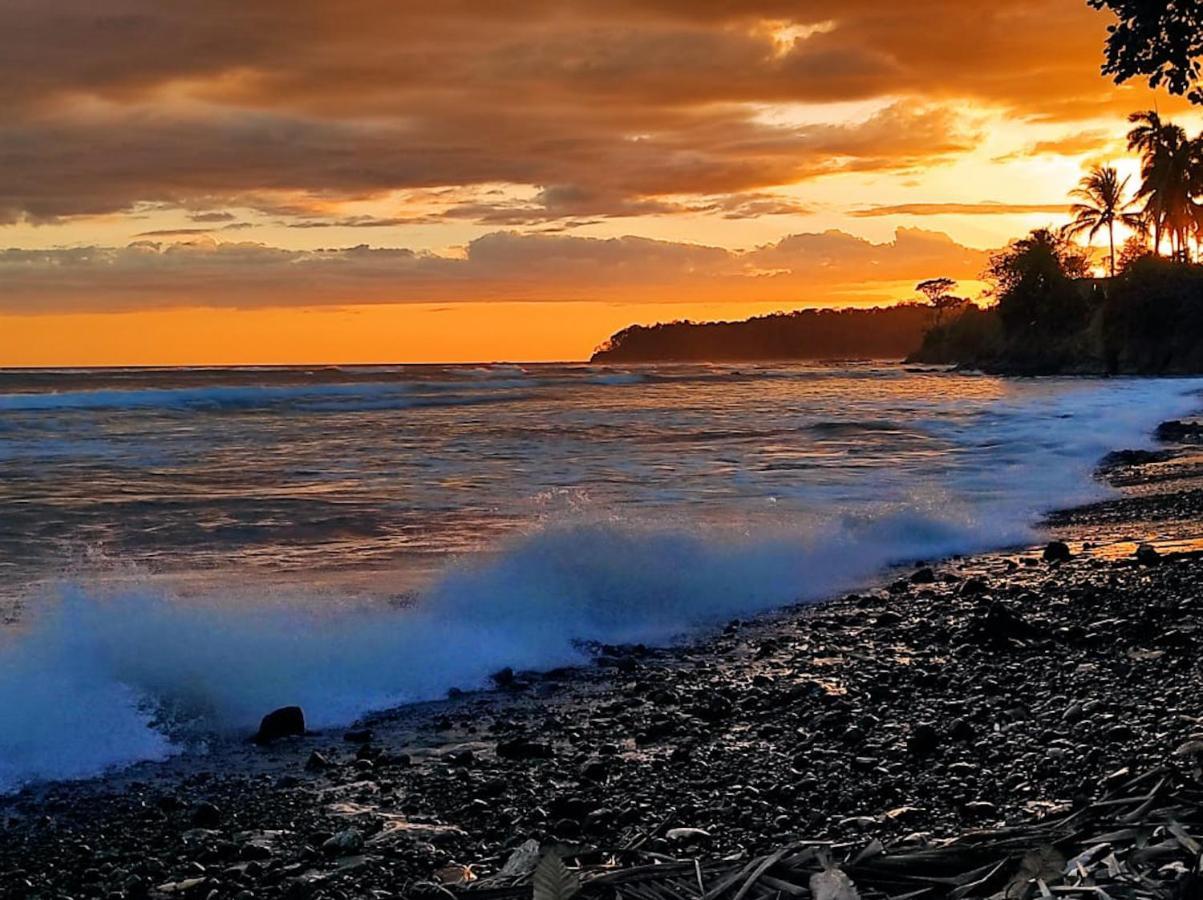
{"x":553,"y":880}
{"x":1046,"y":864}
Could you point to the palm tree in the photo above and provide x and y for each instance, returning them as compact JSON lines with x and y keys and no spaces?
{"x":1103,"y":204}
{"x":1169,"y":179}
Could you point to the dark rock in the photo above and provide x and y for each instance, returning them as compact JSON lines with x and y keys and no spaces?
{"x":1134,"y":458}
{"x":288,"y":721}
{"x":595,"y":769}
{"x":316,"y":762}
{"x":358,"y":736}
{"x":504,"y":678}
{"x":980,"y":809}
{"x":961,"y":730}
{"x":972,"y":587}
{"x":344,"y":843}
{"x":1057,"y":552}
{"x":521,"y":748}
{"x":1180,"y":432}
{"x":1147,"y":555}
{"x":924,"y":576}
{"x":923,"y":739}
{"x":206,"y":815}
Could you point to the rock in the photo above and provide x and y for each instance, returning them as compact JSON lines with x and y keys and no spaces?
{"x":344,"y":843}
{"x":1180,"y":432}
{"x":358,"y":736}
{"x":503,"y":678}
{"x":682,"y":836}
{"x":521,"y":748}
{"x":972,"y":587}
{"x":206,"y":815}
{"x":1147,"y":555}
{"x":926,"y":575}
{"x":923,"y":739}
{"x":1057,"y":552}
{"x":287,"y":721}
{"x":316,"y":762}
{"x":980,"y":809}
{"x":961,"y":730}
{"x":1134,"y":458}
{"x":595,"y":769}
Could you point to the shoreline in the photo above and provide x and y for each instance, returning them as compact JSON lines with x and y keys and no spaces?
{"x":831,"y":720}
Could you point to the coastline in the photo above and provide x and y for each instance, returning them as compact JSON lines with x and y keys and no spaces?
{"x":829,"y":721}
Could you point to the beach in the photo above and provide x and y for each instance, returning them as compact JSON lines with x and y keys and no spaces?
{"x":971,"y":692}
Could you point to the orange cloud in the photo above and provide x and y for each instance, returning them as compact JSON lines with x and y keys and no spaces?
{"x":986,"y":208}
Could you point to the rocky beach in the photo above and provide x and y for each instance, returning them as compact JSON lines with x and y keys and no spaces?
{"x":975,"y":693}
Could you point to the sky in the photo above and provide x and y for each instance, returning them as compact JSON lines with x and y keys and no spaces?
{"x":381,"y":181}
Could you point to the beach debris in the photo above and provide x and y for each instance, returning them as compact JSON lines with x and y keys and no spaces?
{"x":1139,"y":841}
{"x":832,"y":883}
{"x":287,"y":721}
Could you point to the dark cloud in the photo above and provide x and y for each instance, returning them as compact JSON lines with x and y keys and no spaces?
{"x":603,"y":108}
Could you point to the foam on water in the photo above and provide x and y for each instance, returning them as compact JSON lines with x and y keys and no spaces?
{"x":92,"y":680}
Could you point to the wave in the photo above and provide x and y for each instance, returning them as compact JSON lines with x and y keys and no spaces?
{"x":96,"y":682}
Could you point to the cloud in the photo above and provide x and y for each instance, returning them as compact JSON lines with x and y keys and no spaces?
{"x":1081,"y":143}
{"x":985,"y":208}
{"x":505,"y":265}
{"x":590,"y":108}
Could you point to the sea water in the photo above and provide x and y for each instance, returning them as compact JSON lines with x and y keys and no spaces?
{"x":183,"y":550}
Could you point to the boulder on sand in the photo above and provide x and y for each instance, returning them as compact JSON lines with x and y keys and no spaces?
{"x":286,"y":721}
{"x":1057,"y":551}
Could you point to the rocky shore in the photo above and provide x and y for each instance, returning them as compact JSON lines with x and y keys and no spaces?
{"x":970,"y":693}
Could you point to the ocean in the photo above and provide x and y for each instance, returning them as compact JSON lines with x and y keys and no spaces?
{"x":183,"y":550}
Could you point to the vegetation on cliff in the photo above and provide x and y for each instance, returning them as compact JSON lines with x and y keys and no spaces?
{"x":877,"y":333}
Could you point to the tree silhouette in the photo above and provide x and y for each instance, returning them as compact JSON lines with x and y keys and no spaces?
{"x":1171,"y":176}
{"x":1034,"y":277}
{"x":1103,"y":204}
{"x":1156,"y":39}
{"x":938,"y":292}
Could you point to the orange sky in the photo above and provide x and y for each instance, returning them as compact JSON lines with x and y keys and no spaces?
{"x":378,"y":181}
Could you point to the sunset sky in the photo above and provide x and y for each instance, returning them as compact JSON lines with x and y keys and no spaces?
{"x":374,"y":180}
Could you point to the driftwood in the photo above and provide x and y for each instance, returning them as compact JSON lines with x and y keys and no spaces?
{"x":1143,"y":839}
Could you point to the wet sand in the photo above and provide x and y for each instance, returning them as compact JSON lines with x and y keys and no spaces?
{"x":1002,"y":688}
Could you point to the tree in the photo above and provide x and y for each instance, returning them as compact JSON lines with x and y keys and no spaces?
{"x":1103,"y":204}
{"x":1170,"y":179}
{"x":1038,"y":299}
{"x":1161,"y":40}
{"x":938,"y":292}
